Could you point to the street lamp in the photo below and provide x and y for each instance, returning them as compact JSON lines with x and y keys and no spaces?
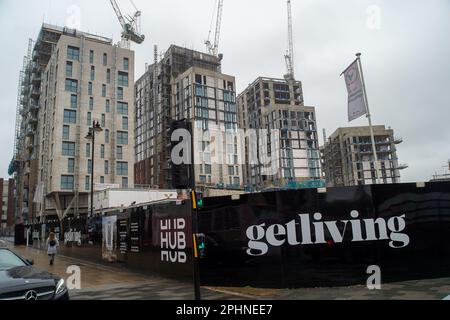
{"x":91,"y":136}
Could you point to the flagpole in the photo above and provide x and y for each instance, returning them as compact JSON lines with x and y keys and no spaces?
{"x":369,"y":117}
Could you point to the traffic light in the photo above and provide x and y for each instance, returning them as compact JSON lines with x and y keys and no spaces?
{"x":199,"y":245}
{"x":197,"y":199}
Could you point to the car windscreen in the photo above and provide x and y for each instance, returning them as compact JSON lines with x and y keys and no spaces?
{"x":9,"y":260}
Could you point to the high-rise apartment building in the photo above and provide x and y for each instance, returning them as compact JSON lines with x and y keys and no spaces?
{"x":7,"y":217}
{"x":277,"y":106}
{"x":347,"y":157}
{"x":79,"y":78}
{"x":188,"y":85}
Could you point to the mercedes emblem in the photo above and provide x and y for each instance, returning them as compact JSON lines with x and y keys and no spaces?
{"x":31,"y":295}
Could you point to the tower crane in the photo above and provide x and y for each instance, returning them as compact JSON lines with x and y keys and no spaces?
{"x":131,"y":25}
{"x":213,"y":48}
{"x":289,"y":56}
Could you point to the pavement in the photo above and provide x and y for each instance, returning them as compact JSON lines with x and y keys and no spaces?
{"x":101,"y":282}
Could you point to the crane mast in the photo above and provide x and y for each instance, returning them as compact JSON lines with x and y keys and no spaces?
{"x":289,"y":57}
{"x":213,"y":48}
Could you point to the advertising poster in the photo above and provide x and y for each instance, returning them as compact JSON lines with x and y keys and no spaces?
{"x":109,"y":246}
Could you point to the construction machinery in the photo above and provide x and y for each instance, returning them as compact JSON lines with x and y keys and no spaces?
{"x":131,"y":25}
{"x":213,"y":48}
{"x":289,"y":56}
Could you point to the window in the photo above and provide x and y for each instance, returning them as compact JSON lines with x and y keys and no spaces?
{"x":89,"y":118}
{"x":122,"y":137}
{"x":103,"y":120}
{"x":102,"y":151}
{"x":88,"y":149}
{"x":102,"y":179}
{"x":90,"y":88}
{"x":124,"y":183}
{"x":66,"y":132}
{"x":126,"y":63}
{"x":107,"y":106}
{"x":123,"y":79}
{"x":108,"y":76}
{"x":73,"y":53}
{"x":87,"y":183}
{"x":105,"y":59}
{"x":122,"y":168}
{"x":74,"y":101}
{"x":91,"y":57}
{"x":125,"y":123}
{"x":104,"y":90}
{"x":119,"y":154}
{"x":106,"y":167}
{"x":106,"y":136}
{"x":92,"y":73}
{"x":207,"y":168}
{"x":68,"y":149}
{"x":89,"y":166}
{"x":70,"y":165}
{"x":122,"y":108}
{"x":91,"y":103}
{"x":69,"y":68}
{"x":202,"y":179}
{"x":120,"y":93}
{"x":70,"y":116}
{"x":67,"y":182}
{"x":231,"y":170}
{"x":71,"y":85}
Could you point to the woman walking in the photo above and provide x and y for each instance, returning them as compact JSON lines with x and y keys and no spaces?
{"x":52,"y":243}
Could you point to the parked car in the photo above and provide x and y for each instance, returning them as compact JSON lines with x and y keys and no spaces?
{"x":20,"y":280}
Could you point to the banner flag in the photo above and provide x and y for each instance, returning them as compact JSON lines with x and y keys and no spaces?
{"x":356,"y":104}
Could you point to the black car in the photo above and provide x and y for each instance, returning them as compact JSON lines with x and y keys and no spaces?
{"x":19,"y":280}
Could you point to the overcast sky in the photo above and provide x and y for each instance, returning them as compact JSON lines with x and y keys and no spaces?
{"x":405,"y":48}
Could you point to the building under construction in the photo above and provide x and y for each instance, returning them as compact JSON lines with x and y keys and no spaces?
{"x":347,"y":157}
{"x":184,"y":84}
{"x":276,"y":105}
{"x":26,"y":148}
{"x":71,"y":79}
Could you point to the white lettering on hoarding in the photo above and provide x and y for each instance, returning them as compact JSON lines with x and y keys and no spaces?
{"x":173,"y":240}
{"x":262,"y":236}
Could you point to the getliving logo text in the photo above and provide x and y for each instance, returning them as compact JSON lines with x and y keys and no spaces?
{"x":261,"y":236}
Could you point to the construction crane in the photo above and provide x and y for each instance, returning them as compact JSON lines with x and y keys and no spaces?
{"x":213,"y":48}
{"x":131,"y":25}
{"x":289,"y":56}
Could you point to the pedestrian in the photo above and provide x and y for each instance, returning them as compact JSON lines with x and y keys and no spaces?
{"x":52,"y":243}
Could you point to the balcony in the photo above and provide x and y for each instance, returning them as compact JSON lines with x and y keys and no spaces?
{"x":398,"y":140}
{"x":32,"y":120}
{"x":34,"y":67}
{"x":402,"y":166}
{"x":369,"y":143}
{"x":34,"y":106}
{"x":36,"y":79}
{"x":35,"y":92}
{"x":30,"y":132}
{"x":30,"y":145}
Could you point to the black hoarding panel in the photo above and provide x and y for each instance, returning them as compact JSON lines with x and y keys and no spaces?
{"x":304,"y":238}
{"x":420,"y":247}
{"x":161,"y":240}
